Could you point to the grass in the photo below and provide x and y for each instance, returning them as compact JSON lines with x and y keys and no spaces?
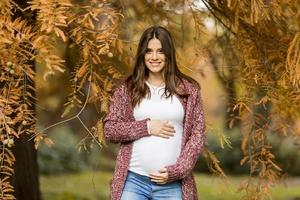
{"x":95,"y":186}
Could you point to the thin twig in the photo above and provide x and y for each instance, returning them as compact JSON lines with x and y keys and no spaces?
{"x":214,"y":14}
{"x":89,"y":131}
{"x":69,"y":119}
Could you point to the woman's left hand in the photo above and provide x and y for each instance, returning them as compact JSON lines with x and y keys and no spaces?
{"x":161,"y":177}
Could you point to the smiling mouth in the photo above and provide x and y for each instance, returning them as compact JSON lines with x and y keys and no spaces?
{"x":155,"y":63}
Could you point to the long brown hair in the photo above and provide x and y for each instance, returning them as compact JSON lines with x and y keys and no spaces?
{"x":136,"y":81}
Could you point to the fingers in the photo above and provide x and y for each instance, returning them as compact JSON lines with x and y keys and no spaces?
{"x":168,"y":130}
{"x":169,"y":126}
{"x":167,"y":133}
{"x":159,"y":181}
{"x":162,"y":129}
{"x":163,"y":135}
{"x":163,"y":170}
{"x":159,"y":178}
{"x":160,"y":175}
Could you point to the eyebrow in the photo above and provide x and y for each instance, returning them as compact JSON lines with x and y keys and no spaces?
{"x":152,"y":49}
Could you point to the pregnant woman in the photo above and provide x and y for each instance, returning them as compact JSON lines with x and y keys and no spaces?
{"x":156,"y":115}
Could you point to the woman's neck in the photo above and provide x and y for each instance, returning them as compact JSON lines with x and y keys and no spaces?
{"x":155,"y":80}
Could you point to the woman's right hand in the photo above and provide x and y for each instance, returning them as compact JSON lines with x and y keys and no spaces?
{"x":161,"y":128}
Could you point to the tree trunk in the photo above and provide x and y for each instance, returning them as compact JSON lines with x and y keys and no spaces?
{"x":25,"y":179}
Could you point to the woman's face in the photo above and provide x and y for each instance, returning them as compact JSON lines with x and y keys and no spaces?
{"x":155,"y":59}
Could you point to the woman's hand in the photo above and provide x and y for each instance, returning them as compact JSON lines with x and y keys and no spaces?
{"x":161,"y":177}
{"x":161,"y":128}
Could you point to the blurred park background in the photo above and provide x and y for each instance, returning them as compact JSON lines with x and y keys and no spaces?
{"x":237,"y":50}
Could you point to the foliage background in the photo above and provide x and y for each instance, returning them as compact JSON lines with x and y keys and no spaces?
{"x":245,"y":54}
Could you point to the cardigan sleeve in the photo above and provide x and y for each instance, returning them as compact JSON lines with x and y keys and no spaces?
{"x":117,"y":125}
{"x":191,"y":151}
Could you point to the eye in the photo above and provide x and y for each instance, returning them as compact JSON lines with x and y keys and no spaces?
{"x":160,"y":51}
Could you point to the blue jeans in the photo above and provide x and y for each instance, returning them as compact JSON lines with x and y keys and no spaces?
{"x":139,"y":187}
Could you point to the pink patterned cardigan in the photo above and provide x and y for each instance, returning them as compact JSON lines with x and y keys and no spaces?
{"x":121,"y":127}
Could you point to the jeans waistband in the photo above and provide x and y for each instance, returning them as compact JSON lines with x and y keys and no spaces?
{"x":146,"y":178}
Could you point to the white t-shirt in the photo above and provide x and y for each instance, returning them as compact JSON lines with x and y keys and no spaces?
{"x":152,"y":153}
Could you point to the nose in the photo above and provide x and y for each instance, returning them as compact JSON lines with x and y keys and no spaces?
{"x":154,"y":56}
